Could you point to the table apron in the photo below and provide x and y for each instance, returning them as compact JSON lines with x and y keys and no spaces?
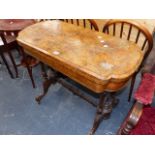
{"x":110,"y":85}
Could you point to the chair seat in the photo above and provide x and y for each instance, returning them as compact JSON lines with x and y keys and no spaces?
{"x":145,"y":91}
{"x":10,"y":39}
{"x":146,"y":124}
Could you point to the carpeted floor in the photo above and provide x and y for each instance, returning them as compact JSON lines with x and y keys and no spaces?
{"x":60,"y":112}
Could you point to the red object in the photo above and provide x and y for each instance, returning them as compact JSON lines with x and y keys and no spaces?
{"x":15,"y":24}
{"x":146,"y":124}
{"x":145,"y":91}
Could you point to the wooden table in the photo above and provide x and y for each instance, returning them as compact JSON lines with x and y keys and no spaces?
{"x":15,"y":24}
{"x":95,"y":60}
{"x":10,"y":29}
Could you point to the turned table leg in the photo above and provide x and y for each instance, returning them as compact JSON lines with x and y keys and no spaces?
{"x":106,"y":103}
{"x":46,"y":83}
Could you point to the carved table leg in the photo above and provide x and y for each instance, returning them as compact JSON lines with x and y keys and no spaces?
{"x":46,"y":83}
{"x":104,"y":109}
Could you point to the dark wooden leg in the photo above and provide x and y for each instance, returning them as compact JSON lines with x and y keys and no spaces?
{"x":7,"y":66}
{"x":115,"y":100}
{"x":46,"y":83}
{"x":29,"y":69}
{"x":18,"y":49}
{"x":132,"y":86}
{"x":131,"y":120}
{"x":106,"y":103}
{"x":99,"y":115}
{"x":13,"y":62}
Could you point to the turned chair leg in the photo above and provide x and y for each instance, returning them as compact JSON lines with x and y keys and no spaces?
{"x":29,"y":69}
{"x":18,"y":50}
{"x":13,"y":62}
{"x":7,"y":66}
{"x":132,"y":86}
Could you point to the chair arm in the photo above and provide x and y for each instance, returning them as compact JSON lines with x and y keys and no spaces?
{"x":132,"y":119}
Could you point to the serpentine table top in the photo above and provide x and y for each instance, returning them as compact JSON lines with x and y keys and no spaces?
{"x":96,"y":60}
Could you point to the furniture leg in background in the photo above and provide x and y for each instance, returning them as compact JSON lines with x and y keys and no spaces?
{"x":29,"y":68}
{"x":7,"y":65}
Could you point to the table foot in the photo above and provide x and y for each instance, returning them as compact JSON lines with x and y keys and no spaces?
{"x":46,"y":83}
{"x":106,"y":103}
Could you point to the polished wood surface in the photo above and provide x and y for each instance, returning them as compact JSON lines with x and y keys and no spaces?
{"x":15,"y":24}
{"x":95,"y":60}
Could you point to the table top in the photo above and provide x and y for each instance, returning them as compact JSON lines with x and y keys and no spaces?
{"x":15,"y":24}
{"x":87,"y":54}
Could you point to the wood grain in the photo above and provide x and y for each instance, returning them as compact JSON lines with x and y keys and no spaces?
{"x":96,"y":60}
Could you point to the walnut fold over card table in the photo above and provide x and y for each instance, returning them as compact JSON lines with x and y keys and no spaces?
{"x":99,"y":62}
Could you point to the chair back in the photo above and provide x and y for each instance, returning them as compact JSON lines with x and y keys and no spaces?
{"x":132,"y":31}
{"x":86,"y":23}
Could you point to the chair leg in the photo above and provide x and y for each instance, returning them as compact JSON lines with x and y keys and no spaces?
{"x":7,"y":66}
{"x":132,"y":86}
{"x":18,"y":50}
{"x":13,"y":62}
{"x":29,"y":69}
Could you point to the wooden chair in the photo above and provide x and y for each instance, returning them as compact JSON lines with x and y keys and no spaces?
{"x":8,"y":42}
{"x":132,"y":31}
{"x":140,"y":113}
{"x":137,"y":117}
{"x":86,"y":23}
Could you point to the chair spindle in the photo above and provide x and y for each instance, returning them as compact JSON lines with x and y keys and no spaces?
{"x":129,"y":33}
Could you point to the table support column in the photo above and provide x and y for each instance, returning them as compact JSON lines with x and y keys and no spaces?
{"x":107,"y":102}
{"x":46,"y":83}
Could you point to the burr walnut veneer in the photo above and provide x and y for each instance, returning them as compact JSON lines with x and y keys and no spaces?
{"x":98,"y":61}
